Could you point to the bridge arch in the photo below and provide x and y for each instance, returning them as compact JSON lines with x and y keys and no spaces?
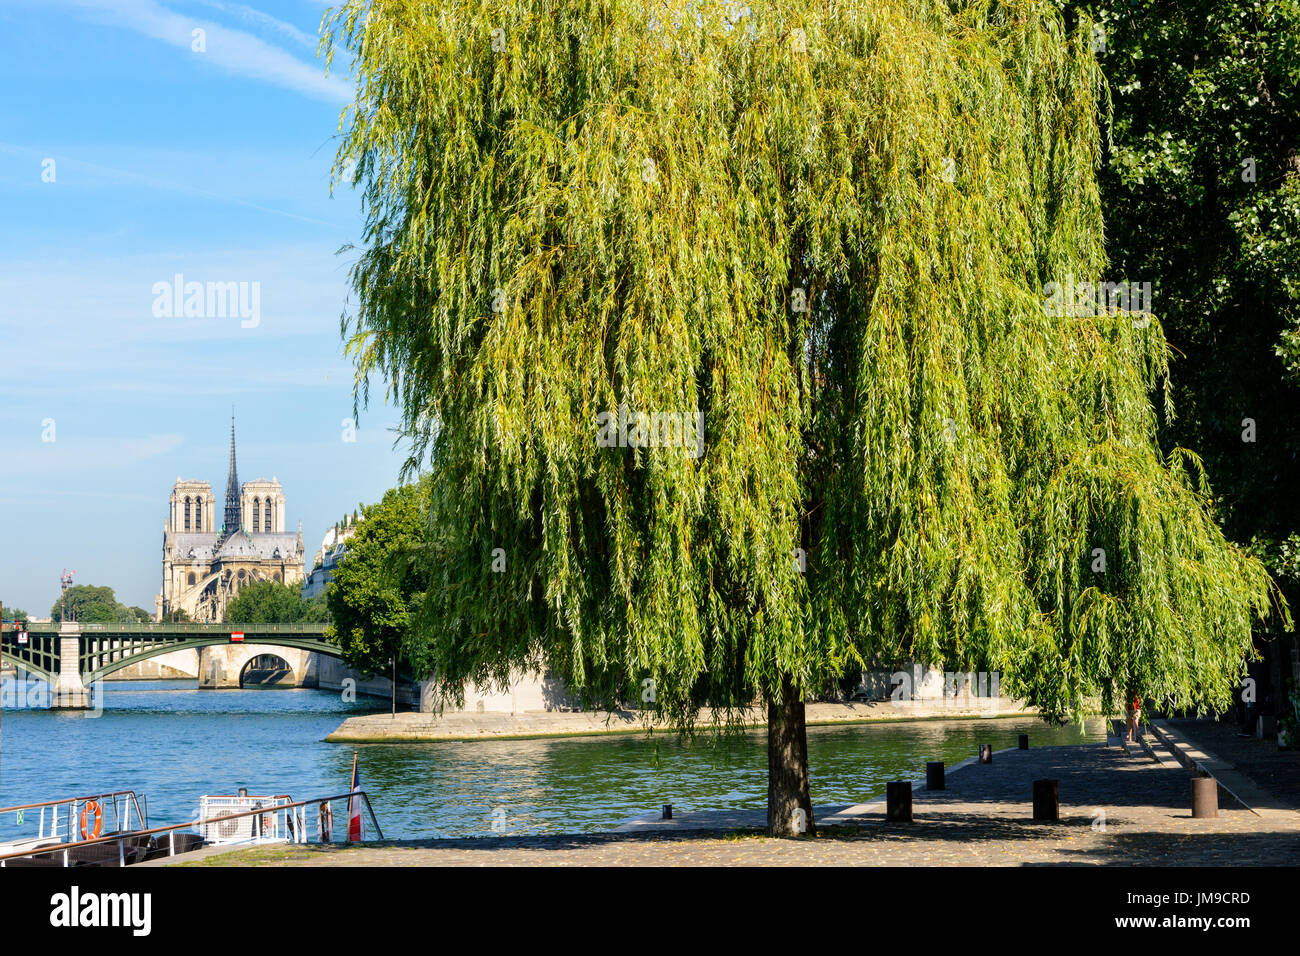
{"x":268,"y":670}
{"x":107,"y":648}
{"x":227,"y":665}
{"x":297,"y":651}
{"x":25,"y":666}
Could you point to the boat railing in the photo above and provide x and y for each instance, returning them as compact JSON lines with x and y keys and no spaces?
{"x":284,"y":823}
{"x":124,"y":806}
{"x":212,"y":808}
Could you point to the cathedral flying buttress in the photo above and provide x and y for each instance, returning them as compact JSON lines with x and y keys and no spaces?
{"x":205,"y":565}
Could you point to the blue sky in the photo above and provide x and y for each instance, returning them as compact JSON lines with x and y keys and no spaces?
{"x":213,"y":164}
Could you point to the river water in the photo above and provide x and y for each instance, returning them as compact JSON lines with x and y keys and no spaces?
{"x":174,"y":742}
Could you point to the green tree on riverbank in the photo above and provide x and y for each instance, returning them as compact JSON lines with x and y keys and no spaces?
{"x":829,"y":234}
{"x":88,"y":604}
{"x":379,"y":584}
{"x":270,"y":602}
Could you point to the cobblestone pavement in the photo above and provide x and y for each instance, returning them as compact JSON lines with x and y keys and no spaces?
{"x":1115,"y":809}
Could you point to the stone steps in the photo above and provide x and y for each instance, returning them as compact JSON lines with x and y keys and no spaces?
{"x":1235,"y":785}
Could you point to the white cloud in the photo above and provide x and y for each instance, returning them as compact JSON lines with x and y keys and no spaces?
{"x":71,"y":454}
{"x":232,"y":50}
{"x":257,"y":17}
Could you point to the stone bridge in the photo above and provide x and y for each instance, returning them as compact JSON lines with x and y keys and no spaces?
{"x":71,"y":657}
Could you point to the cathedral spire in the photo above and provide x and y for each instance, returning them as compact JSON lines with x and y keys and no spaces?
{"x":232,"y":521}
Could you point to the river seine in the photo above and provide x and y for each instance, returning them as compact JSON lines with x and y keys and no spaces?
{"x":173,"y":742}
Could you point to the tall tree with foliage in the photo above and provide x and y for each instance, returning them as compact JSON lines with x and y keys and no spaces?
{"x":826,"y":230}
{"x":379,"y":583}
{"x":1201,"y":190}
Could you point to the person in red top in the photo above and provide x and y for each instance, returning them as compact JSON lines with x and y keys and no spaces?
{"x":1132,"y":711}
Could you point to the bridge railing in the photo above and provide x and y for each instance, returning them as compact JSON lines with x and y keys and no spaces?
{"x":160,"y":629}
{"x":293,"y":820}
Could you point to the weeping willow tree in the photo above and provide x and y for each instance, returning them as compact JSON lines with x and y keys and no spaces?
{"x":728,"y":335}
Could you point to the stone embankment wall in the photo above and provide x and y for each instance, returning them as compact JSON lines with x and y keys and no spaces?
{"x":474,"y":725}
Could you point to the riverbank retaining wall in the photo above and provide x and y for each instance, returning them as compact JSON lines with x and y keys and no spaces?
{"x":475,"y":725}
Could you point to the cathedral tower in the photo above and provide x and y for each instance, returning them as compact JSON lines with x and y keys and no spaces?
{"x":232,"y":519}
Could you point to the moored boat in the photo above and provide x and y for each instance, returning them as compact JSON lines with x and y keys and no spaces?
{"x":112,"y":829}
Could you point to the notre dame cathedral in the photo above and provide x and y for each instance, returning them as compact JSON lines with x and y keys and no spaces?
{"x":205,"y":566}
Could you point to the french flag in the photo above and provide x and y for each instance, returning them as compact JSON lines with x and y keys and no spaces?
{"x":354,"y":805}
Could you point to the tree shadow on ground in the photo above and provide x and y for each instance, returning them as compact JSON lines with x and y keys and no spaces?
{"x":1077,"y":842}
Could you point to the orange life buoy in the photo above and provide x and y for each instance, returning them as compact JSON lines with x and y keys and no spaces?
{"x":99,"y":819}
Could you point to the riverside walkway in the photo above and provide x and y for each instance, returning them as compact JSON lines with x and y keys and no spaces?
{"x":1117,"y":807}
{"x":1261,"y":762}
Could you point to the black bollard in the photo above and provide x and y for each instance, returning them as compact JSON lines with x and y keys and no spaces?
{"x":1024,"y":741}
{"x":1205,"y":797}
{"x":668,"y":811}
{"x":898,"y":801}
{"x":1047,"y":799}
{"x":934,"y":775}
{"x":986,"y":753}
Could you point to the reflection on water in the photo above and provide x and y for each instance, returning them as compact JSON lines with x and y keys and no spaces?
{"x":173,"y":742}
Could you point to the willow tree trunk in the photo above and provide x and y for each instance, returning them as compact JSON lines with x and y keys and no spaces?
{"x":789,"y":801}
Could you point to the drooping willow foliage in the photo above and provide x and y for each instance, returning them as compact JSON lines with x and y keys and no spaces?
{"x":827,"y":227}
